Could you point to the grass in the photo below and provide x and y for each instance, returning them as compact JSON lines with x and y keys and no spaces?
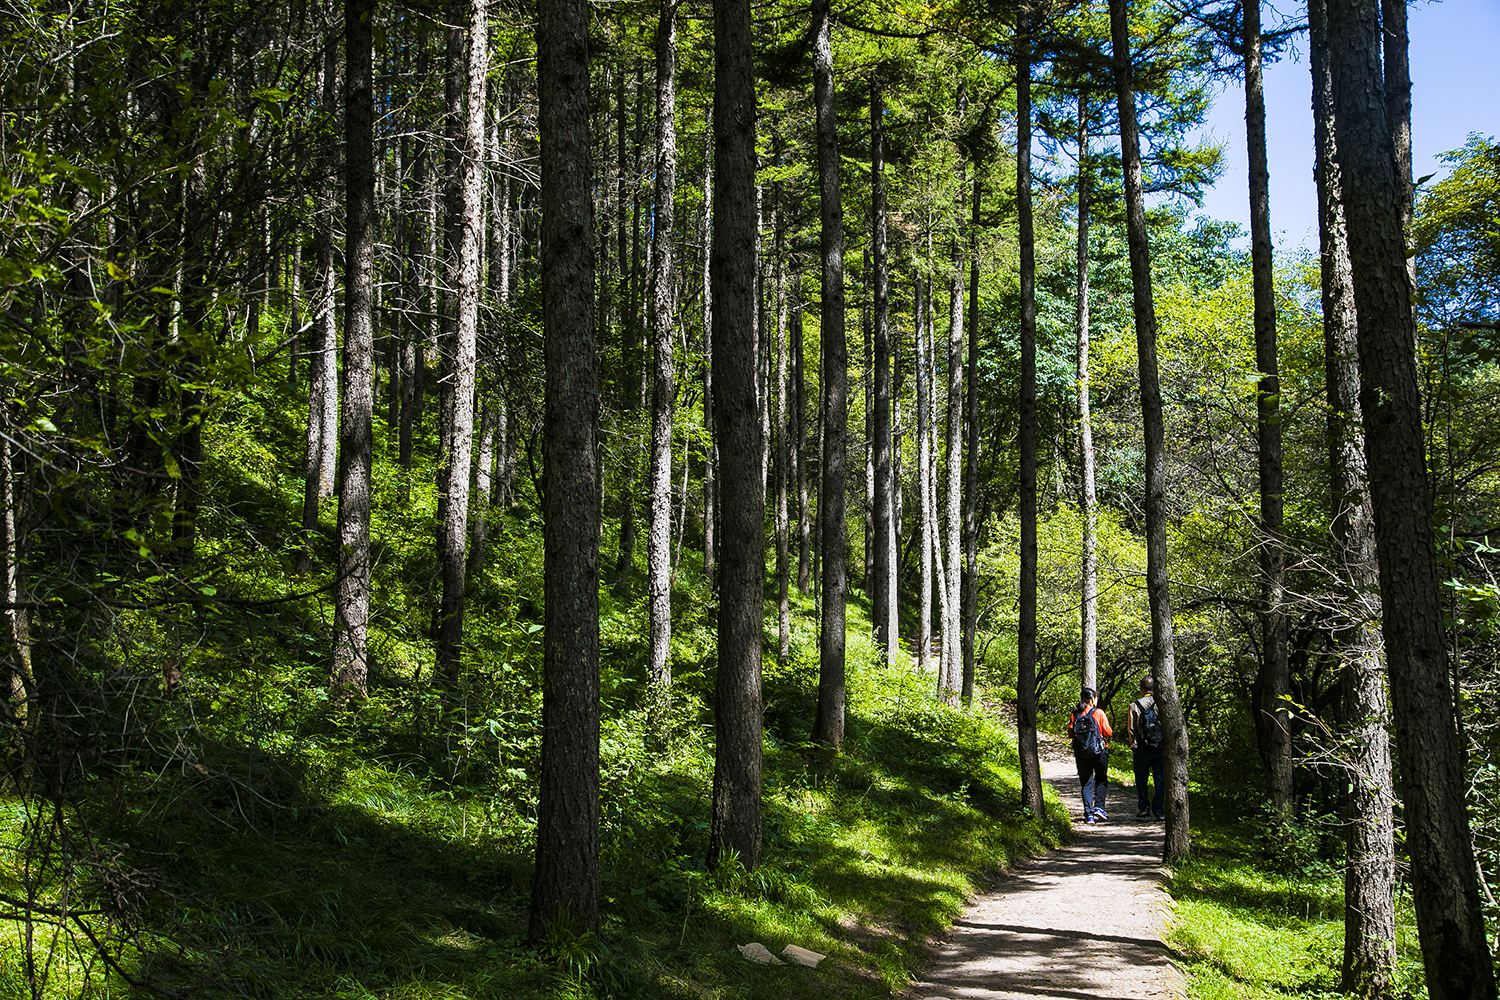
{"x":272,"y":848}
{"x":239,"y":837}
{"x":1246,"y":926}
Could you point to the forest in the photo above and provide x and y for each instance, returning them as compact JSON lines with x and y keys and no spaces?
{"x":509,"y":499}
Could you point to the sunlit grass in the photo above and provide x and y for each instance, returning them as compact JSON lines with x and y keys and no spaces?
{"x":1243,"y":930}
{"x":261,"y":844}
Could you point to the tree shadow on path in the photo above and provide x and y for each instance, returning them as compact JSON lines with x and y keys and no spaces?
{"x":1084,"y":922}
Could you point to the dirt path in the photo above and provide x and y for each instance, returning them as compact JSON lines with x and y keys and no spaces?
{"x":1084,"y":922}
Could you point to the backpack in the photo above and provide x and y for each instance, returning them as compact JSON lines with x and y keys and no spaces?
{"x":1150,"y":734}
{"x":1086,"y":736}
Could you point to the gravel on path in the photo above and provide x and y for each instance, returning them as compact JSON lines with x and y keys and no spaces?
{"x":1083,"y":922}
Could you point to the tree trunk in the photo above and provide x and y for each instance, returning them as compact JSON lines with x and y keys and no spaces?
{"x":1274,"y":722}
{"x":452,"y":235}
{"x":352,"y":594}
{"x":947,"y":682}
{"x":565,"y":885}
{"x":467,"y":226}
{"x":735,"y":825}
{"x":664,"y":386}
{"x":763,"y":354}
{"x":828,"y":728}
{"x":320,"y":458}
{"x":1087,"y":502}
{"x":971,"y":471}
{"x":1444,"y":882}
{"x":1026,"y":708}
{"x":783,"y":452}
{"x":952,"y":662}
{"x":1163,"y":653}
{"x":294,"y":311}
{"x":710,"y":448}
{"x":194,"y":297}
{"x":1370,"y":867}
{"x":16,"y":683}
{"x":632,"y":363}
{"x":799,"y":438}
{"x":1397,"y":76}
{"x":484,"y":479}
{"x":501,"y":265}
{"x":867,"y":394}
{"x":412,"y":326}
{"x":898,"y":497}
{"x":394,"y":277}
{"x":922,"y":335}
{"x":883,"y":596}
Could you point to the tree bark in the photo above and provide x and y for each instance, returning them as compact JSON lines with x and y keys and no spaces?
{"x":352,"y":594}
{"x":883,"y":596}
{"x":710,"y":447}
{"x":735,"y":826}
{"x":412,"y":326}
{"x":867,"y":394}
{"x":195,"y":301}
{"x":1274,"y":721}
{"x":828,"y":728}
{"x":926,"y":517}
{"x":630,"y":327}
{"x":467,"y":225}
{"x":484,"y":480}
{"x":1370,"y":865}
{"x":952,"y":661}
{"x":783,"y":451}
{"x":16,"y":682}
{"x":1087,"y":501}
{"x":1163,"y":652}
{"x":971,"y":470}
{"x":1397,"y":76}
{"x":1444,"y":881}
{"x":664,"y":384}
{"x":799,"y":446}
{"x":1026,"y":708}
{"x":320,"y":456}
{"x":501,"y":267}
{"x":565,"y":885}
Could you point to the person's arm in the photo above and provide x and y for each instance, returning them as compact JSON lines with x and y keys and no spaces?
{"x":1104,"y":723}
{"x":1130,"y":724}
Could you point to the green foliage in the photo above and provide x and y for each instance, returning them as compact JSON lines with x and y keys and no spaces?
{"x":271,"y":846}
{"x":1124,"y":620}
{"x":1246,"y":926}
{"x":1458,"y":242}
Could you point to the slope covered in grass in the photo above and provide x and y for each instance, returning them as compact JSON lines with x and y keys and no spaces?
{"x":1259,"y":912}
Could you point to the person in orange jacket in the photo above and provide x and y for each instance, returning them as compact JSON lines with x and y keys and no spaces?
{"x":1088,"y":726}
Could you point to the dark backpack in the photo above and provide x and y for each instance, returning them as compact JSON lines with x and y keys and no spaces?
{"x":1086,"y":735}
{"x":1150,"y":734}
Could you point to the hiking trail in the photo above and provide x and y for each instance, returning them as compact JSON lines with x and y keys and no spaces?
{"x":1083,"y":922}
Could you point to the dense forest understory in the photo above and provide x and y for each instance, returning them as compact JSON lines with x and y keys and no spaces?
{"x":508,"y":499}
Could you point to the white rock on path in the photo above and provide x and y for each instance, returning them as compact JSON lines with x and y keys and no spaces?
{"x":758,"y":953}
{"x":801,"y":956}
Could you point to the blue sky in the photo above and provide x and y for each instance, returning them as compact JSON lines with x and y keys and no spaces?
{"x":1455,"y":68}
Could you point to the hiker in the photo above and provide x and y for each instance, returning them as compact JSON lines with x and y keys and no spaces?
{"x":1088,"y":725}
{"x":1143,"y":733}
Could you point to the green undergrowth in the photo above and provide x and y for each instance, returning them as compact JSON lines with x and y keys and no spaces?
{"x":1258,"y":913}
{"x":239,"y":836}
{"x":319,"y":867}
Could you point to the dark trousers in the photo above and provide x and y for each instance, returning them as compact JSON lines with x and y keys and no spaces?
{"x":1148,"y":764}
{"x":1093,"y":777}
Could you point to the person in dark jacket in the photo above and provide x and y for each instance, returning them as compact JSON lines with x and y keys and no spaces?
{"x":1143,"y":733}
